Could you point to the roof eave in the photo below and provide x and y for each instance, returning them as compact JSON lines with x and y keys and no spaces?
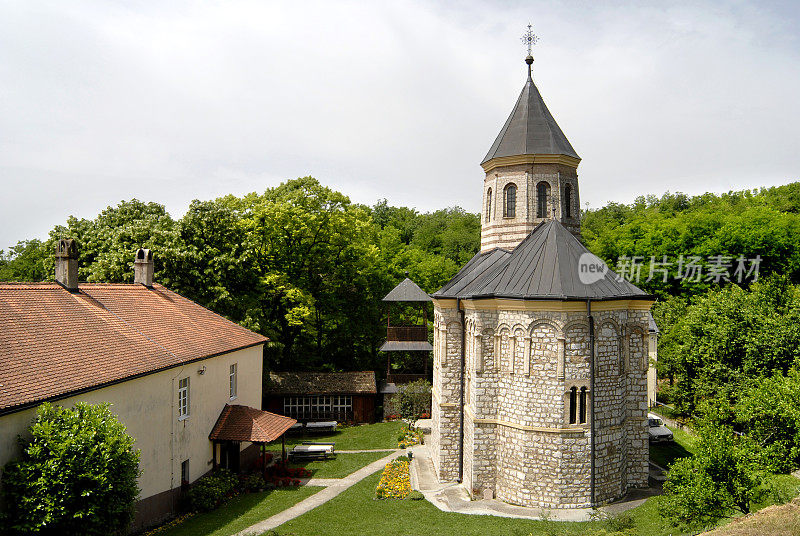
{"x":513,"y":160}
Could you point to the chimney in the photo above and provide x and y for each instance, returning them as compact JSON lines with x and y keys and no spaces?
{"x":143,"y":268}
{"x":67,"y":263}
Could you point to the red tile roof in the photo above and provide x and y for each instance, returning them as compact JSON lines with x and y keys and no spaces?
{"x":243,"y":423}
{"x":54,"y":343}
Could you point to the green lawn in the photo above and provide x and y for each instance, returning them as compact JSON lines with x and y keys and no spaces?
{"x":663,"y":454}
{"x":241,"y":512}
{"x":382,"y":435}
{"x":342,"y":465}
{"x":405,"y":517}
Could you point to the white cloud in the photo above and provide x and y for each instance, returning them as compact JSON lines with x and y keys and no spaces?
{"x":171,"y":102}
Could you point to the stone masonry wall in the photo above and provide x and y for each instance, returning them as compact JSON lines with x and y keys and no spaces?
{"x":518,"y":441}
{"x":500,"y":231}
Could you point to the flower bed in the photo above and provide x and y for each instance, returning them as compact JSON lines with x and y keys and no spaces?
{"x":395,"y":481}
{"x":409,"y":437}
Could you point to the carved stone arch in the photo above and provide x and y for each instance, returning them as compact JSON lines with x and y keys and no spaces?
{"x":546,"y":322}
{"x":487,"y":348}
{"x":575,"y":323}
{"x":637,"y":342}
{"x":609,"y":352}
{"x":576,"y":349}
{"x":605,"y":322}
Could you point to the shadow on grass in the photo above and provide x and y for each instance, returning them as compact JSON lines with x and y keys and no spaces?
{"x":665,"y":454}
{"x":240,"y":512}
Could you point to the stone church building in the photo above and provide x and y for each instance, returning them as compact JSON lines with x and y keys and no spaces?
{"x":540,"y":371}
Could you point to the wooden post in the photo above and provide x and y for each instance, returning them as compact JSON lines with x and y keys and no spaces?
{"x":283,"y":447}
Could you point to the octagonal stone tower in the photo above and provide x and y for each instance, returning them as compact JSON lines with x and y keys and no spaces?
{"x":540,"y":366}
{"x":531,"y":174}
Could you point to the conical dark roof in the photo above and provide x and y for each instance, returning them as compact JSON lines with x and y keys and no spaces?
{"x":543,"y":266}
{"x":407,"y":291}
{"x":530,"y":129}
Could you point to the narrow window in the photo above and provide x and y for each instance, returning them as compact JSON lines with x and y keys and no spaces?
{"x":183,"y":398}
{"x":510,"y":201}
{"x":233,"y":381}
{"x":489,"y":205}
{"x":583,"y":405}
{"x":541,"y":199}
{"x":184,"y":472}
{"x":573,"y":405}
{"x":568,"y":200}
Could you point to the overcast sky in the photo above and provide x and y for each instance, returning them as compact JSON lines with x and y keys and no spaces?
{"x":174,"y":101}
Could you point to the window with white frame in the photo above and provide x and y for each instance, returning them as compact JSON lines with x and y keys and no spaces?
{"x":338,"y":407}
{"x":183,"y":398}
{"x":233,"y":381}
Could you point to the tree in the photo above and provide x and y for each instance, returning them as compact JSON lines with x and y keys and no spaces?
{"x":29,"y":261}
{"x":415,"y":399}
{"x":722,"y":478}
{"x":768,"y":411}
{"x":107,"y":243}
{"x":77,"y":474}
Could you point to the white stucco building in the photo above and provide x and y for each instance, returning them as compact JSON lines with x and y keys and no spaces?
{"x":167,"y":365}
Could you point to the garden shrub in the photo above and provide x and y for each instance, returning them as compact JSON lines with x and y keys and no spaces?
{"x":77,"y":474}
{"x":252,"y":482}
{"x":415,"y":399}
{"x":209,"y":492}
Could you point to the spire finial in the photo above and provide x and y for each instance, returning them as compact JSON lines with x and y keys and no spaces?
{"x":529,"y":39}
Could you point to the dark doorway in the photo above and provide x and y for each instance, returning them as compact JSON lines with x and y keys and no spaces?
{"x":229,"y":456}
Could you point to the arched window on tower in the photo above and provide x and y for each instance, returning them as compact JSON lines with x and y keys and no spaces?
{"x":542,"y":193}
{"x":573,"y":405}
{"x":510,"y":201}
{"x":489,"y":205}
{"x":568,"y":201}
{"x":583,"y":405}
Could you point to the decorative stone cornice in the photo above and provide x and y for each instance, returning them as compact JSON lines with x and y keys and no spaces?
{"x":531,"y":159}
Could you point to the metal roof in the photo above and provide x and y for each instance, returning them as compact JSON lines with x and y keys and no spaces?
{"x":407,"y":291}
{"x":545,"y":265}
{"x":530,"y":129}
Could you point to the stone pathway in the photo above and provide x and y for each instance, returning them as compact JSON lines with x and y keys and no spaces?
{"x":365,"y":450}
{"x":333,"y":487}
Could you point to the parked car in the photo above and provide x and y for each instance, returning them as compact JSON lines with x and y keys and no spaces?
{"x":656,"y":429}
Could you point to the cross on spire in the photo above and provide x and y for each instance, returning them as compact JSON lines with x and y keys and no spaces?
{"x":529,"y":39}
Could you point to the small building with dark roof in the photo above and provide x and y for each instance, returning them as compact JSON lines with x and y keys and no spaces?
{"x":322,"y":396}
{"x":540,"y":351}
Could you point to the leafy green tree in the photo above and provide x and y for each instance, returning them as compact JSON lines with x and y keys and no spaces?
{"x":768,"y":411}
{"x":77,"y":474}
{"x":107,"y":243}
{"x":317,"y":259}
{"x":415,"y":399}
{"x":724,"y":477}
{"x":725,"y":336}
{"x":29,"y":261}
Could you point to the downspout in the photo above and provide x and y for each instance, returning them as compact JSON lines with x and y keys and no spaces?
{"x":591,"y":400}
{"x":461,"y":391}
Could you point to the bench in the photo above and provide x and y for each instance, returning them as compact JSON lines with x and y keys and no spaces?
{"x":312,"y":451}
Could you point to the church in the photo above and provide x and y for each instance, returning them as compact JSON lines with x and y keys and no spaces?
{"x":540,"y":368}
